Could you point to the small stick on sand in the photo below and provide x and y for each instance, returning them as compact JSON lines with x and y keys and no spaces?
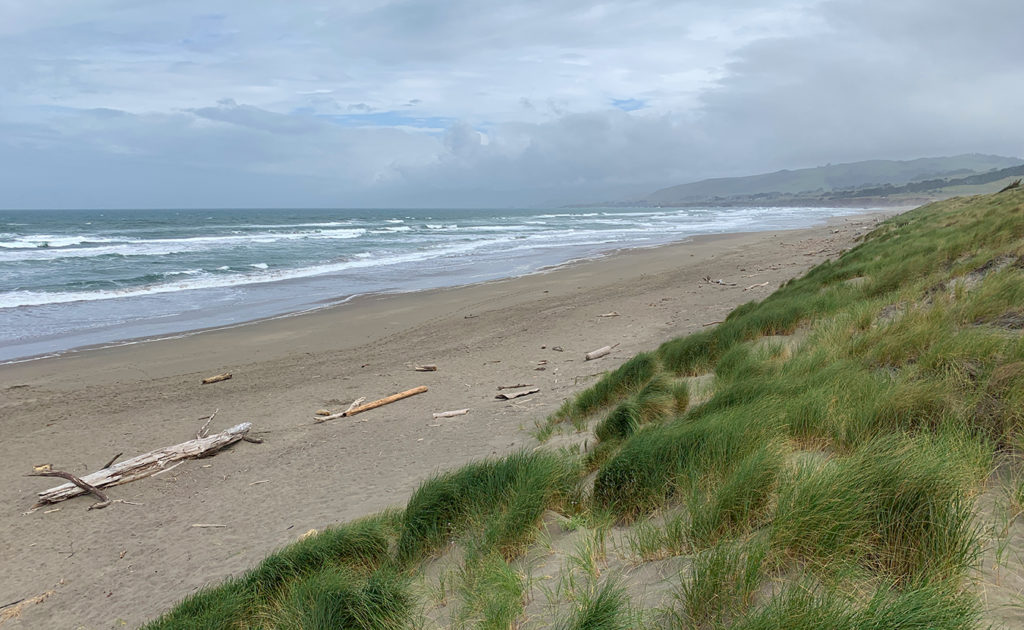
{"x":754,"y":286}
{"x":712,"y":323}
{"x":501,"y":387}
{"x":451,"y":414}
{"x":612,"y":314}
{"x":113,"y":459}
{"x":201,"y":433}
{"x":217,"y":378}
{"x":208,"y":525}
{"x":426,"y":368}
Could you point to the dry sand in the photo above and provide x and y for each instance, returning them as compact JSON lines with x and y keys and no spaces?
{"x":123,"y":565}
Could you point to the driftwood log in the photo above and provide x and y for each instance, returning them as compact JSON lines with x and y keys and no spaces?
{"x":450,"y":414}
{"x":511,"y":395}
{"x":600,"y":352}
{"x":147,"y":464}
{"x":217,"y":378}
{"x":351,"y":411}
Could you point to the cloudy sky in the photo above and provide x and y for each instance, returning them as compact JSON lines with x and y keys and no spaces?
{"x":236,"y":103}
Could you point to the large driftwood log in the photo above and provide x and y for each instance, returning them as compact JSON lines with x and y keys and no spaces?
{"x":147,"y":463}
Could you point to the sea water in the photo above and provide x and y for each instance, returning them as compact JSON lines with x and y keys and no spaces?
{"x":74,"y":278}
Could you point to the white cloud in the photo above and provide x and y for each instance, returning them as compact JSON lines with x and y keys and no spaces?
{"x":427,"y":103}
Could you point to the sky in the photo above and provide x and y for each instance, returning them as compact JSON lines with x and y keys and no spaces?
{"x":428,"y":103}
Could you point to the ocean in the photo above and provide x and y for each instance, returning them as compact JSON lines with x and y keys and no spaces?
{"x":76,"y":278}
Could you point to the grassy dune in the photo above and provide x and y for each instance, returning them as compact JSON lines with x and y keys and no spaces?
{"x":842,"y":454}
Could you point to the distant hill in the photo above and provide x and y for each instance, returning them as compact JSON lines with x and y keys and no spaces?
{"x":839,"y":181}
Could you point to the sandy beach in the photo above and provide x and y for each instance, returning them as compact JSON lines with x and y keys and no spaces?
{"x":123,"y":565}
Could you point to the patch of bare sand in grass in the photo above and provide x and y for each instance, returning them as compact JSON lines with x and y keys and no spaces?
{"x":1000,"y":578}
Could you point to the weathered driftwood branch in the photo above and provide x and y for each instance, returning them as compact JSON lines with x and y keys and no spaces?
{"x":451,"y":414}
{"x":86,"y":487}
{"x":148,"y":463}
{"x":517,"y":386}
{"x":217,"y":378}
{"x":426,"y":368}
{"x":373,"y":405}
{"x":755,"y":286}
{"x":600,"y":352}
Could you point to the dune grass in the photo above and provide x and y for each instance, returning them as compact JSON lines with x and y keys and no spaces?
{"x":607,"y":609}
{"x":721,"y":586}
{"x":347,"y":563}
{"x":515,"y":489}
{"x":825,"y":483}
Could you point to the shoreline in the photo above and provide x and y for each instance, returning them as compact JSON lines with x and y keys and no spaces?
{"x":336,"y":302}
{"x":128,"y":563}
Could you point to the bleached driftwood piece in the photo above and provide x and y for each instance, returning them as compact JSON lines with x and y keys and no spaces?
{"x":426,"y":368}
{"x":373,"y":405}
{"x":355,"y":403}
{"x":755,"y":286}
{"x":511,"y":395}
{"x":451,"y":414}
{"x":600,"y":352}
{"x":217,"y":378}
{"x":148,"y":463}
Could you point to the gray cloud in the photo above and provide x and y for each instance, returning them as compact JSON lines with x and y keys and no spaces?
{"x":129,"y":103}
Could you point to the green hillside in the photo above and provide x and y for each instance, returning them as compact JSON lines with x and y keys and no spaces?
{"x":833,"y":177}
{"x":844,"y":454}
